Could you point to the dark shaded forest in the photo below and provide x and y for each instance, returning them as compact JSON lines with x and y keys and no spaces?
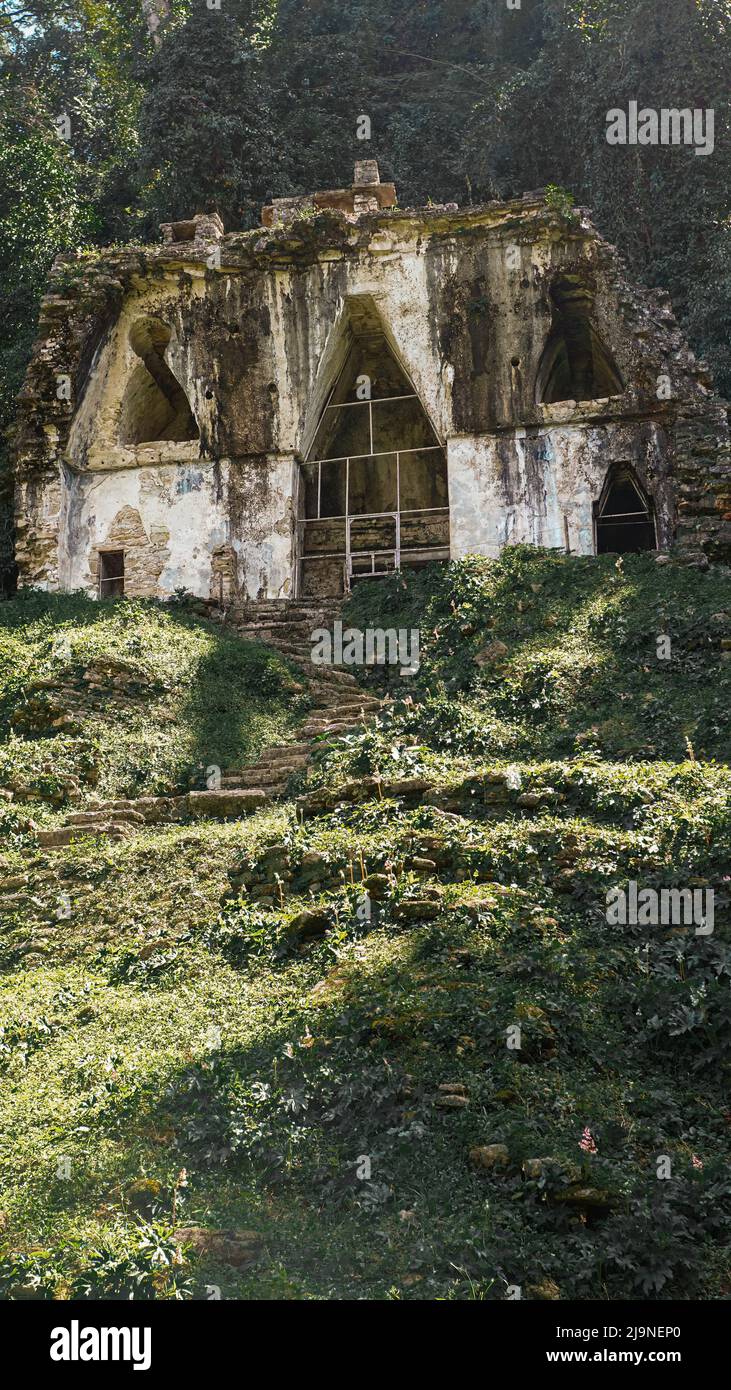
{"x":172,"y":107}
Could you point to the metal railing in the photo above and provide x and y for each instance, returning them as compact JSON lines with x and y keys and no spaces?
{"x":347,"y":459}
{"x":351,"y":553}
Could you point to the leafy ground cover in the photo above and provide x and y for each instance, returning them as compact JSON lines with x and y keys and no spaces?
{"x":129,"y":698}
{"x":549,"y":656}
{"x":211,"y":1027}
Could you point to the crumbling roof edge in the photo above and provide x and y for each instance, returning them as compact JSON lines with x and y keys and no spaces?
{"x":437,"y":217}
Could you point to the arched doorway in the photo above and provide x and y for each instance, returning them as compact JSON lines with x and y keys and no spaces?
{"x":373,"y":494}
{"x":623,"y":519}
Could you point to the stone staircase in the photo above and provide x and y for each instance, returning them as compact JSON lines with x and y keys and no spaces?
{"x":338,"y":705}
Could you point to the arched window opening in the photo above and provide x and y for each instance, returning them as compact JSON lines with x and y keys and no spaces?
{"x":375,"y":482}
{"x":576,"y":365}
{"x":155,"y":406}
{"x":623,"y":516}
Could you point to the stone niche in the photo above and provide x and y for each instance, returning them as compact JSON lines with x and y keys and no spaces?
{"x":155,"y":406}
{"x":223,"y":574}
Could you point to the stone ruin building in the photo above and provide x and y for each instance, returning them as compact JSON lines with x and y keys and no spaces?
{"x":352,"y":388}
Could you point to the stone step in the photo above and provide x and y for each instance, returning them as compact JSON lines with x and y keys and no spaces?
{"x":285,"y":623}
{"x":301,"y":625}
{"x":339,"y":705}
{"x":118,"y":805}
{"x":334,"y":726}
{"x":299,"y":628}
{"x":300,"y":653}
{"x":353,"y":696}
{"x":64,"y":835}
{"x":287,"y":605}
{"x":350,"y":709}
{"x":274,"y":771}
{"x":300,"y":656}
{"x":330,"y":675}
{"x":334,"y":709}
{"x":270,"y":758}
{"x":343,"y":716}
{"x":281,"y":641}
{"x":352,"y":715}
{"x":273,"y":786}
{"x":262,"y":776}
{"x":284,"y":749}
{"x":335,"y":676}
{"x":91,"y":818}
{"x":336,"y":694}
{"x":224,"y":803}
{"x":229,"y":801}
{"x":248,"y":782}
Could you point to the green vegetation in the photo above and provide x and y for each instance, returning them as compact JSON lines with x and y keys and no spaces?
{"x":129,"y":699}
{"x":206,"y":1026}
{"x":570,"y":655}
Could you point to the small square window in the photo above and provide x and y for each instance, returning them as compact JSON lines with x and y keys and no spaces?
{"x":111,"y":573}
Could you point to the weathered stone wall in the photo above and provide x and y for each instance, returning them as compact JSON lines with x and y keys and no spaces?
{"x":539,"y":486}
{"x":181,"y":526}
{"x":259,"y":326}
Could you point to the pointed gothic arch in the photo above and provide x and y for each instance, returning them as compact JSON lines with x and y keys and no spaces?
{"x":155,"y":406}
{"x":575,"y":365}
{"x":373,"y":493}
{"x":624,"y":521}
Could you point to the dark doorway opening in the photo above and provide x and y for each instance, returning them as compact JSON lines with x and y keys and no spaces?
{"x":111,"y":573}
{"x":623,"y":518}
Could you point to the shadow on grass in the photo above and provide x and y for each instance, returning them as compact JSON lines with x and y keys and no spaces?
{"x":232,"y":698}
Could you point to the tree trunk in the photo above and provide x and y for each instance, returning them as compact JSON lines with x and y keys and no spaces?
{"x":155,"y":12}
